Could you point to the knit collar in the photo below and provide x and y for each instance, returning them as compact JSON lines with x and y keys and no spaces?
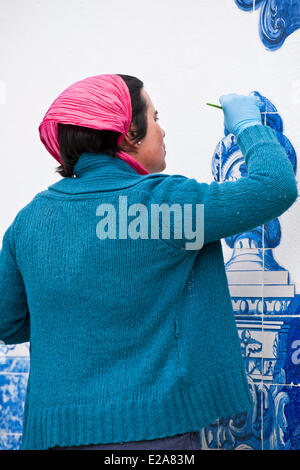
{"x":94,"y":162}
{"x":98,"y":172}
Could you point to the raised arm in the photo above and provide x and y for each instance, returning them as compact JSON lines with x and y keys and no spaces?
{"x":234,"y":207}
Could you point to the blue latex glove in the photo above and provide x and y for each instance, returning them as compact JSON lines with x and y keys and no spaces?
{"x":240,"y":111}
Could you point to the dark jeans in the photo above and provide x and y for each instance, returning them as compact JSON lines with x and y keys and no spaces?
{"x":187,"y":441}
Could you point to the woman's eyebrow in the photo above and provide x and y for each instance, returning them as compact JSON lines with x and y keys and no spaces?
{"x":156,"y":113}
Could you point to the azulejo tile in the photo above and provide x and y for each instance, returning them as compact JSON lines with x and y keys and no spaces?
{"x":246,"y":5}
{"x":14,"y":364}
{"x":281,"y":417}
{"x":281,"y":351}
{"x":278,"y":19}
{"x":267,"y":311}
{"x":243,"y":431}
{"x":9,"y":441}
{"x":12,"y":398}
{"x":11,"y":350}
{"x":244,"y":271}
{"x":228,"y":164}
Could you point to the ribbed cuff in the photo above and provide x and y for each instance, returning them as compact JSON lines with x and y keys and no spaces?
{"x":254,"y":135}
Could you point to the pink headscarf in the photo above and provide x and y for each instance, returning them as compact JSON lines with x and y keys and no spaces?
{"x":101,"y":102}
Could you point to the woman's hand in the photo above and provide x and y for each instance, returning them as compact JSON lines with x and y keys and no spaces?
{"x":240,"y":111}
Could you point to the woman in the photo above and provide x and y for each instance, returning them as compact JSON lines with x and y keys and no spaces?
{"x":133,"y":342}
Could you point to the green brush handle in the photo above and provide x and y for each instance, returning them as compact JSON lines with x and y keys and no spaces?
{"x":214,"y":105}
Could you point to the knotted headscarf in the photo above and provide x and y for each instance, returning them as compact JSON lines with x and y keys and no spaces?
{"x":101,"y":102}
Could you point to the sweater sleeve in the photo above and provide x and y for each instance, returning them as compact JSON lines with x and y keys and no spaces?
{"x":234,"y":207}
{"x":14,"y":313}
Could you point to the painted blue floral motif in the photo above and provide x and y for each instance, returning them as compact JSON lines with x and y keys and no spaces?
{"x":228,"y":164}
{"x":248,"y":5}
{"x":14,"y":369}
{"x":278,"y":19}
{"x":267,"y":313}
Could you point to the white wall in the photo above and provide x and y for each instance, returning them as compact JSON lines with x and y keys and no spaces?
{"x":186,"y":53}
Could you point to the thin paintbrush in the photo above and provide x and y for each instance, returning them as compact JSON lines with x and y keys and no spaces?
{"x":214,"y":105}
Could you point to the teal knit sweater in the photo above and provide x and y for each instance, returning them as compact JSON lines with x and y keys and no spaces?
{"x":132,"y":339}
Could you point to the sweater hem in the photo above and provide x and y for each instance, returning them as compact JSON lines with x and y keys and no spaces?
{"x":188,"y":408}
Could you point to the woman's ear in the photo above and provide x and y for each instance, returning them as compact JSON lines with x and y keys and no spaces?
{"x":128,"y":144}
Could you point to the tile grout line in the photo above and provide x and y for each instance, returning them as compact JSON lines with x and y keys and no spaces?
{"x":274,"y":384}
{"x":257,"y":315}
{"x":13,"y":373}
{"x":221,"y":177}
{"x":262,"y":359}
{"x":263,"y":316}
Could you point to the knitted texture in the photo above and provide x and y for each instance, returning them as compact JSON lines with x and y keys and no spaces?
{"x":132,"y":339}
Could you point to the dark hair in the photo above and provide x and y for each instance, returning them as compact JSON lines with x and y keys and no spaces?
{"x":74,"y":140}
